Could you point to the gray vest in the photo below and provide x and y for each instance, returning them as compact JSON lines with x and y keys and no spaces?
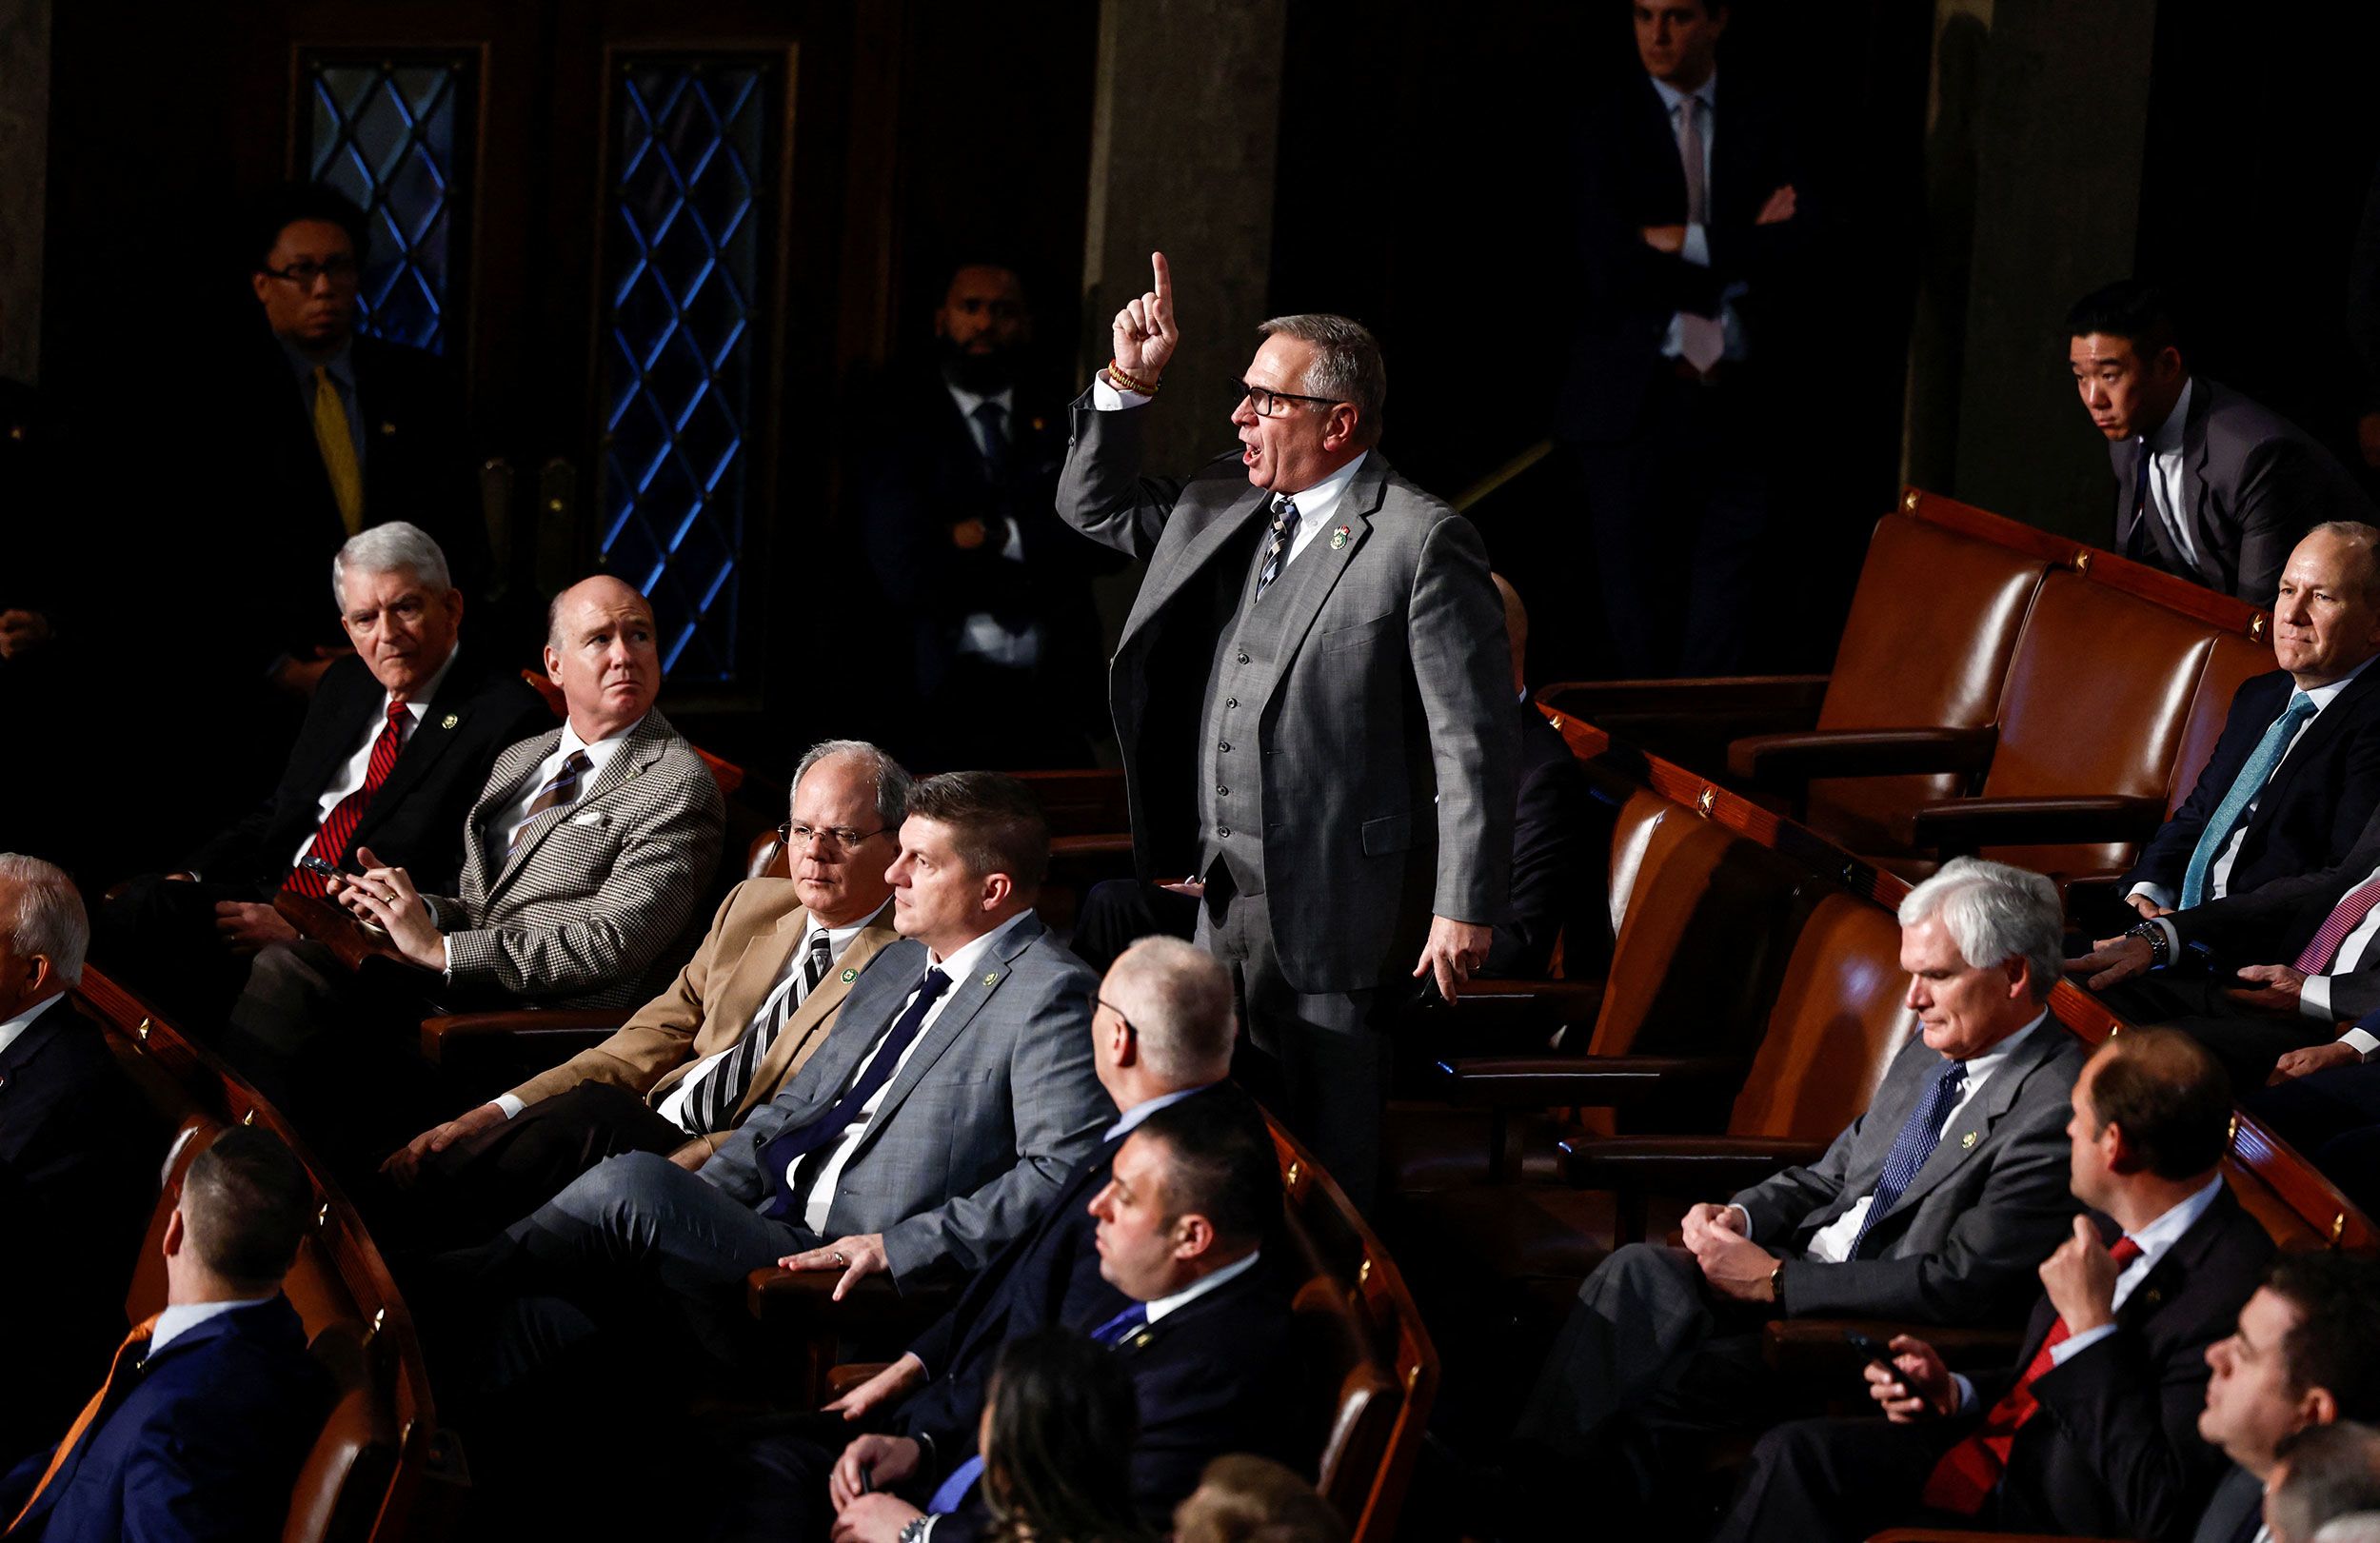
{"x":1249,"y":655}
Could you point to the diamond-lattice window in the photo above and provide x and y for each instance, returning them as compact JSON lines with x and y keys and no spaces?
{"x":393,"y":134}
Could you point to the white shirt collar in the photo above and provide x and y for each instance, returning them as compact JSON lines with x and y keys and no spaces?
{"x":1706,"y":93}
{"x":1131,"y":1118}
{"x":181,"y":1319}
{"x":1980,"y":1067}
{"x":2322,"y":696}
{"x":1202,"y":1285}
{"x":838,"y":939}
{"x":13,"y":1027}
{"x":419,"y":703}
{"x":598,"y":753}
{"x":1315,"y":503}
{"x":2167,"y":439}
{"x":962,"y":960}
{"x":1004,"y":399}
{"x":2167,"y":1230}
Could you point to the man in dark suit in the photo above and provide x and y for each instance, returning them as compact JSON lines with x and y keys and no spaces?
{"x":956,"y":494}
{"x":2306,"y":1351}
{"x":1686,"y":229}
{"x":2208,"y":485}
{"x":202,"y":1426}
{"x":1926,"y":1208}
{"x":1161,"y":1035}
{"x":1192,"y":1198}
{"x":2093,"y":1430}
{"x":1310,"y":694}
{"x":2296,"y":774}
{"x":397,"y":741}
{"x":2326,"y":1485}
{"x":78,"y":1162}
{"x":2325,"y":1099}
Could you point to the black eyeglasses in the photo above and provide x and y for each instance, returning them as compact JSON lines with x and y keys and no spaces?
{"x":341,"y":271}
{"x":793,"y":835}
{"x":1268,"y":404}
{"x":1120,"y":1016}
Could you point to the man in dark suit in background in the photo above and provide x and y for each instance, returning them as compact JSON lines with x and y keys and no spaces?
{"x":956,"y":488}
{"x":2325,"y":1100}
{"x":1929,"y":1208}
{"x":2306,"y":1351}
{"x":78,"y":1164}
{"x":1161,"y":1035}
{"x":1556,"y":893}
{"x":1688,"y":227}
{"x":219,"y":1400}
{"x":1311,"y":697}
{"x":2093,"y":1429}
{"x":396,"y":743}
{"x":2208,"y":485}
{"x":2296,"y":774}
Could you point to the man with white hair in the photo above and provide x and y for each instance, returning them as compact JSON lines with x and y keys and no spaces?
{"x":1932,"y":1207}
{"x":397,"y":741}
{"x":2327,"y":1475}
{"x":78,"y":1164}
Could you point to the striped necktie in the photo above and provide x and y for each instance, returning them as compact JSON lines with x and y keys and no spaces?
{"x":2349,"y":914}
{"x":561,"y":789}
{"x":331,"y":842}
{"x":1284,"y":534}
{"x":714,"y":1103}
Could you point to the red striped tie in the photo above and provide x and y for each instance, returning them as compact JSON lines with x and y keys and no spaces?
{"x":2324,"y":950}
{"x":331,"y":843}
{"x":1965,"y":1477}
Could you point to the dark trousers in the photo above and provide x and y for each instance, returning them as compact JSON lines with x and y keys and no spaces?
{"x":1118,"y":913}
{"x":2247,"y":1041}
{"x":2333,"y":1118}
{"x":1825,"y":1480}
{"x":158,"y":936}
{"x":1680,"y":511}
{"x":771,"y":1479}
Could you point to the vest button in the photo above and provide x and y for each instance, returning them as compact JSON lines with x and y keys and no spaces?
{"x":1226,"y":747}
{"x":1224,"y":831}
{"x":1243,"y":658}
{"x":1231,"y":702}
{"x":1222,"y":792}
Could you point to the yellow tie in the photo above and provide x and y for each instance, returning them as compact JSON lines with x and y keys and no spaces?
{"x":338,"y":448}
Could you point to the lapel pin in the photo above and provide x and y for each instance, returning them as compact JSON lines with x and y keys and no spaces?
{"x":992,"y":979}
{"x":849,"y":975}
{"x":1140,"y":1340}
{"x":1968,"y":1140}
{"x":1338,"y":538}
{"x":451,"y":721}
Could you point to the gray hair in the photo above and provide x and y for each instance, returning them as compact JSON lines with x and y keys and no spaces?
{"x":48,"y":917}
{"x":2362,"y":1526}
{"x":1179,"y":999}
{"x":1347,"y":365}
{"x":1993,"y":912}
{"x":2332,"y":1470}
{"x":390,"y":549}
{"x":892,"y":779}
{"x":2364,"y":538}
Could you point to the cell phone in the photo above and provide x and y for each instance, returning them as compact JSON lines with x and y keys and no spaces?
{"x":1874,"y":1350}
{"x":321,"y":866}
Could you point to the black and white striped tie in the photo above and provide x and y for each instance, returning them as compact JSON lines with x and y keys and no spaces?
{"x":1284,"y":532}
{"x":714,"y":1103}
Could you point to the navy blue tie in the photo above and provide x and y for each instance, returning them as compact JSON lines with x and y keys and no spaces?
{"x":1919,"y":1135}
{"x":792,"y":1146}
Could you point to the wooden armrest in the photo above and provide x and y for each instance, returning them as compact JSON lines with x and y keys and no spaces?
{"x":1571,"y":1082}
{"x":1508,"y":1018}
{"x":1679,"y":1164}
{"x":1962,"y":825}
{"x":841,"y":1379}
{"x":1809,"y":1348}
{"x":1794,"y":698}
{"x":1790,"y":759}
{"x":537,"y":1030}
{"x":333,"y":926}
{"x":1944,"y":1535}
{"x":805,"y":1299}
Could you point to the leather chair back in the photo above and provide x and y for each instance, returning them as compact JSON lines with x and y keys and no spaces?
{"x":1837,"y":1023}
{"x":2094,"y":704}
{"x":2230,"y":663}
{"x":1925,"y":646}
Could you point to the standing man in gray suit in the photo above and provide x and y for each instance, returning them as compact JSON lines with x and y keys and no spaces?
{"x":1312,"y":700}
{"x":2208,"y":485}
{"x":1932,"y":1207}
{"x":952,"y":1100}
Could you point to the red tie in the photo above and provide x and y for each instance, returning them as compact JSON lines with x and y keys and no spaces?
{"x":1965,"y":1477}
{"x":331,"y":843}
{"x":2324,"y":950}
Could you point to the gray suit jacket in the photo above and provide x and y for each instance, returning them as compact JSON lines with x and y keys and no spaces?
{"x":2253,"y":482}
{"x":2235,"y":1511}
{"x":598,"y":889}
{"x":977,"y":1133}
{"x":1964,"y":1242}
{"x":1384,"y":735}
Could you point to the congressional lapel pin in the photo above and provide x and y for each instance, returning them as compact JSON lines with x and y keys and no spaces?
{"x":451,"y":721}
{"x":1338,"y":538}
{"x":1968,"y":1140}
{"x":849,"y":975}
{"x":1140,"y":1340}
{"x":992,"y":979}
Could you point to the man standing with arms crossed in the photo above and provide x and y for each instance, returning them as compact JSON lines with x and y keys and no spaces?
{"x":1311,"y":695}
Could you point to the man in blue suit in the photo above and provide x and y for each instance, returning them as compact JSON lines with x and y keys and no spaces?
{"x":208,"y":1414}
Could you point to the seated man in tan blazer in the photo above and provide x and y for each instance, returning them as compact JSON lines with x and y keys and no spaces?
{"x":742,"y":1017}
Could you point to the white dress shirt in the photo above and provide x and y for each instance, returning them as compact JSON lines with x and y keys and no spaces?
{"x":1697,"y":248}
{"x":981,"y":633}
{"x":2219,"y":871}
{"x":13,"y":1027}
{"x":351,"y":771}
{"x":2164,"y":474}
{"x":1199,"y":1288}
{"x":1832,"y":1244}
{"x":958,"y":967}
{"x":182,"y":1318}
{"x":599,"y":756}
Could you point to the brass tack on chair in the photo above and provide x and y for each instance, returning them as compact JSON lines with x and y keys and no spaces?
{"x":322,"y":1217}
{"x":2231,"y":1135}
{"x":1290,"y":1178}
{"x":2338,"y":1228}
{"x":1910,"y":500}
{"x":142,"y":1033}
{"x":1363,"y":1271}
{"x":248,"y":1118}
{"x":1413,"y":1377}
{"x":380,"y":1319}
{"x":1708,"y":801}
{"x":2082,"y":561}
{"x":2255,"y":627}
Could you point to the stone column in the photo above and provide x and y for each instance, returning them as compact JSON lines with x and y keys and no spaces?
{"x":24,"y":180}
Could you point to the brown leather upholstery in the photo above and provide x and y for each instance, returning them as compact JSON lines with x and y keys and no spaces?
{"x":1927,"y":644}
{"x":1838,"y":1020}
{"x":2231,"y":662}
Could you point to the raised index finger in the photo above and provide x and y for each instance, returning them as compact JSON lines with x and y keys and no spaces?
{"x":1162,"y":274}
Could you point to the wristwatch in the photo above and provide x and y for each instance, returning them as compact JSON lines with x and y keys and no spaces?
{"x":1777,"y":1284}
{"x":2160,"y":946}
{"x":915,"y":1530}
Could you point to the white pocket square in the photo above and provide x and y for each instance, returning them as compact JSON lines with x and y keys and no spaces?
{"x":593,"y":817}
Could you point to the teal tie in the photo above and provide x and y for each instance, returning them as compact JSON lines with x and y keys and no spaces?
{"x":2245,"y":787}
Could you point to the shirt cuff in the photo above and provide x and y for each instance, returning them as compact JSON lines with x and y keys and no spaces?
{"x":1697,"y":248}
{"x":2075,"y":1344}
{"x":510,"y":1105}
{"x":2363,"y":1041}
{"x":1741,"y":1212}
{"x":1013,"y":548}
{"x":1108,"y":399}
{"x":2313,"y":998}
{"x":1966,"y":1390}
{"x":2157,"y":894}
{"x":2172,"y":938}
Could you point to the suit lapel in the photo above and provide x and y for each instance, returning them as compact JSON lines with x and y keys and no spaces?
{"x":444,"y":718}
{"x":1302,"y":601}
{"x":506,"y":782}
{"x":2194,"y":491}
{"x":967,"y":999}
{"x":27,"y":1047}
{"x":2327,"y":724}
{"x":630,"y":761}
{"x":803,"y":1025}
{"x":1203,"y":545}
{"x":1970,"y":1130}
{"x":832,"y":1067}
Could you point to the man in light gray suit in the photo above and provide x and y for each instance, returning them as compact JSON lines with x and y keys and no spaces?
{"x":2208,"y":485}
{"x":1932,"y":1207}
{"x":1313,"y":698}
{"x":952,"y":1100}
